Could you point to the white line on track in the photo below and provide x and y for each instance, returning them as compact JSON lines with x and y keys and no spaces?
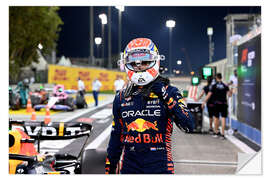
{"x":83,"y":112}
{"x":245,"y":148}
{"x":211,"y":163}
{"x":49,"y":144}
{"x":96,"y":143}
{"x":104,"y":113}
{"x":102,"y":121}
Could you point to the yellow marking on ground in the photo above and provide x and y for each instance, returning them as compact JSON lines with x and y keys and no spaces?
{"x":23,"y":112}
{"x":90,"y":99}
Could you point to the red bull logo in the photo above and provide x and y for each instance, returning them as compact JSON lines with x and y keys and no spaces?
{"x":144,"y":138}
{"x":140,"y":125}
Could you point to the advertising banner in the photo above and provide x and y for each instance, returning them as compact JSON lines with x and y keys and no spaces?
{"x":68,"y":76}
{"x":249,"y":82}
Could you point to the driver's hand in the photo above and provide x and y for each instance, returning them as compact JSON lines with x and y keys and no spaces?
{"x":159,"y":89}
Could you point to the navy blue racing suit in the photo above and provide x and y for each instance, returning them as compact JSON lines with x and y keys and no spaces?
{"x":141,"y":132}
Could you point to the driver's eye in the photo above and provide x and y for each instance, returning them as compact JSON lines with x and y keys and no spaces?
{"x":133,"y":64}
{"x":145,"y":63}
{"x":142,"y":63}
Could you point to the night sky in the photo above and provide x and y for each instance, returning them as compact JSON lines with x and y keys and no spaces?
{"x":190,"y":31}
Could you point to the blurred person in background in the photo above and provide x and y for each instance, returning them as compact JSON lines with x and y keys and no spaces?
{"x":32,"y":80}
{"x":96,"y":85}
{"x":210,"y":102}
{"x":81,"y":89}
{"x":219,"y":91}
{"x":58,"y":91}
{"x":233,"y":84}
{"x":23,"y":88}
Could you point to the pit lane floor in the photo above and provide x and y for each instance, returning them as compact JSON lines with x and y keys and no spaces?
{"x":192,"y":153}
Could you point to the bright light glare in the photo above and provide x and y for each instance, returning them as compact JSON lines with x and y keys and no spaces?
{"x":179,"y":62}
{"x":170,"y":23}
{"x":98,"y":40}
{"x":103,"y":18}
{"x":195,"y":80}
{"x":40,"y":46}
{"x":207,"y":71}
{"x":209,"y":31}
{"x":120,"y":8}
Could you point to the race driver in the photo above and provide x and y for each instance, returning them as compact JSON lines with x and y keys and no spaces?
{"x":144,"y":113}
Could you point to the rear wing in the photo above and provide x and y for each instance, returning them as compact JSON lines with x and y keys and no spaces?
{"x":52,"y":131}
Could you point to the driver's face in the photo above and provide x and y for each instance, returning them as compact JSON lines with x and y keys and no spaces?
{"x":140,"y":66}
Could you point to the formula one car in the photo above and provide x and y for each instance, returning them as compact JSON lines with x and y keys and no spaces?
{"x":25,"y":158}
{"x":80,"y":101}
{"x":39,"y":96}
{"x":59,"y":101}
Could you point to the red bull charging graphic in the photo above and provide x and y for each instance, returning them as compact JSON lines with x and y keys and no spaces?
{"x":141,"y":125}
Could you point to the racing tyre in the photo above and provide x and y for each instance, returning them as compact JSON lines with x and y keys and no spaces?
{"x":80,"y":101}
{"x":15,"y":102}
{"x":93,"y":161}
{"x":70,"y":102}
{"x":35,"y":100}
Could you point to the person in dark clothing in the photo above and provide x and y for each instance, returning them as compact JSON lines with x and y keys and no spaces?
{"x":96,"y":85}
{"x":144,"y":113}
{"x":219,"y":92}
{"x":81,"y":90}
{"x":210,"y":102}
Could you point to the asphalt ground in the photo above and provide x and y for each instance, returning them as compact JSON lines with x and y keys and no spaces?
{"x":192,"y":153}
{"x":203,"y":154}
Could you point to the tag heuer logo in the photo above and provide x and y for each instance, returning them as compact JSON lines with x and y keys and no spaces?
{"x":141,"y":80}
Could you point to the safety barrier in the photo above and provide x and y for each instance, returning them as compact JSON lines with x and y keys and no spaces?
{"x":247,"y":131}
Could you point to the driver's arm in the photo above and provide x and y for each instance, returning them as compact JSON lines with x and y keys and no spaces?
{"x":179,"y":111}
{"x":173,"y":99}
{"x":114,"y":149}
